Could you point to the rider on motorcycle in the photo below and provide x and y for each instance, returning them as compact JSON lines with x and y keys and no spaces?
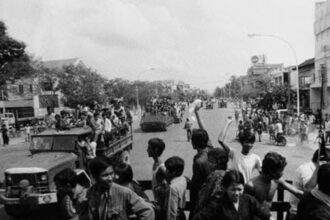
{"x":278,"y":129}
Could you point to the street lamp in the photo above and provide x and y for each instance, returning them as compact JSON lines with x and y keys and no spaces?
{"x":295,"y":57}
{"x":137,"y":89}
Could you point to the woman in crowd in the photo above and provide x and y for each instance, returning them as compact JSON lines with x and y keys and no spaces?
{"x":233,"y":204}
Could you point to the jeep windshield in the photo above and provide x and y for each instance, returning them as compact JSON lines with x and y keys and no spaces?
{"x":53,"y":143}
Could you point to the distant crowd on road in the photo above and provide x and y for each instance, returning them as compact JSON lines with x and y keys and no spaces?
{"x":277,"y":122}
{"x":164,"y":105}
{"x":225,"y":184}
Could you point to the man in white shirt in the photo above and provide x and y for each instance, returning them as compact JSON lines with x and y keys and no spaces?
{"x":278,"y":128}
{"x":305,"y":180}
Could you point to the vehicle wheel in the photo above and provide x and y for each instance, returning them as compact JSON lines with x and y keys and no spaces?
{"x":67,"y":208}
{"x":282,"y":141}
{"x":18,"y":210}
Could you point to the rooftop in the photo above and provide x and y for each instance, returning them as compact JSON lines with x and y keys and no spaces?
{"x":59,"y":64}
{"x":310,"y":61}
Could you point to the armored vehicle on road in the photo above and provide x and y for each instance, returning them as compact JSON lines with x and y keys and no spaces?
{"x":155,"y":122}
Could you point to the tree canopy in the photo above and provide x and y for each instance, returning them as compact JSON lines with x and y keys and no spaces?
{"x":14,"y":62}
{"x":80,"y":86}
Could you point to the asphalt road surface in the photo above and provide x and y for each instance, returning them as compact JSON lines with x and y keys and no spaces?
{"x":176,"y":144}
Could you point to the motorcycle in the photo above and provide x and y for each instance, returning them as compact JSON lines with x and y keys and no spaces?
{"x":278,"y":139}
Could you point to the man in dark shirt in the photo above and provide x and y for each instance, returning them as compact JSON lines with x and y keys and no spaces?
{"x":200,"y":142}
{"x":316,"y":204}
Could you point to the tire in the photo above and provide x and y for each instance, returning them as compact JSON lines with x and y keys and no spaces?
{"x":67,"y":208}
{"x":282,"y":141}
{"x":18,"y":210}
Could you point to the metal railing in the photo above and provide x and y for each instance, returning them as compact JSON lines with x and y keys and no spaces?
{"x":280,"y":206}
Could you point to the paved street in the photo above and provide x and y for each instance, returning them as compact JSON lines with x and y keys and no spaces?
{"x":214,"y":120}
{"x":176,"y":144}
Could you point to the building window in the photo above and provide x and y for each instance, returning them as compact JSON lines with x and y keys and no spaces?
{"x":31,"y":88}
{"x":20,"y":89}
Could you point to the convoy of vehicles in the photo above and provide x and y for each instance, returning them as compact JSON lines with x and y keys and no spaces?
{"x":30,"y":183}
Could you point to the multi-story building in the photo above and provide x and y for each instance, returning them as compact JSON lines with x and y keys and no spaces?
{"x":322,"y":57}
{"x":29,"y":97}
{"x":306,"y":72}
{"x":258,"y":69}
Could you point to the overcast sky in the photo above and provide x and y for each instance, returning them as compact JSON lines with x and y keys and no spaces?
{"x":202,"y":42}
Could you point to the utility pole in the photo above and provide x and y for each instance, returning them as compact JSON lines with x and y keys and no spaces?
{"x":137,"y":98}
{"x":324,"y":80}
{"x":289,"y":88}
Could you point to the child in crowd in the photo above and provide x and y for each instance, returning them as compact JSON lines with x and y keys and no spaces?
{"x":177,"y":190}
{"x":264,"y":186}
{"x":243,"y":161}
{"x":124,"y":177}
{"x":159,"y":185}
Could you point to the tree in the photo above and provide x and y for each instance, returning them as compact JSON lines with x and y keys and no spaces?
{"x":217,"y":92}
{"x":80,"y":85}
{"x":235,"y":86}
{"x":14,"y":62}
{"x":278,"y":95}
{"x":118,"y":87}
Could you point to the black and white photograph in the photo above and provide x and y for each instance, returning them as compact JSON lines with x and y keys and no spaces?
{"x":164,"y":110}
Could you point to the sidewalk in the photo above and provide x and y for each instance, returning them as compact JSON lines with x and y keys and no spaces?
{"x":14,"y":142}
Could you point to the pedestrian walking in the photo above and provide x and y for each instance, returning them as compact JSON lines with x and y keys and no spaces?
{"x":303,"y":132}
{"x":187,"y":127}
{"x":27,"y":133}
{"x":5,"y":136}
{"x":321,"y":141}
{"x":259,"y":128}
{"x":236,"y":116}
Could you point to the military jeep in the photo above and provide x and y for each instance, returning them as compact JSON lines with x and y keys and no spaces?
{"x":30,"y":182}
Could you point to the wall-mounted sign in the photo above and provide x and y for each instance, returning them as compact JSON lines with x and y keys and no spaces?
{"x":258,"y":59}
{"x":254,"y":59}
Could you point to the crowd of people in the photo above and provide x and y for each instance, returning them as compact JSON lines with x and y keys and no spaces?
{"x":225,"y":184}
{"x":275,"y":123}
{"x":164,"y":105}
{"x":107,"y":123}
